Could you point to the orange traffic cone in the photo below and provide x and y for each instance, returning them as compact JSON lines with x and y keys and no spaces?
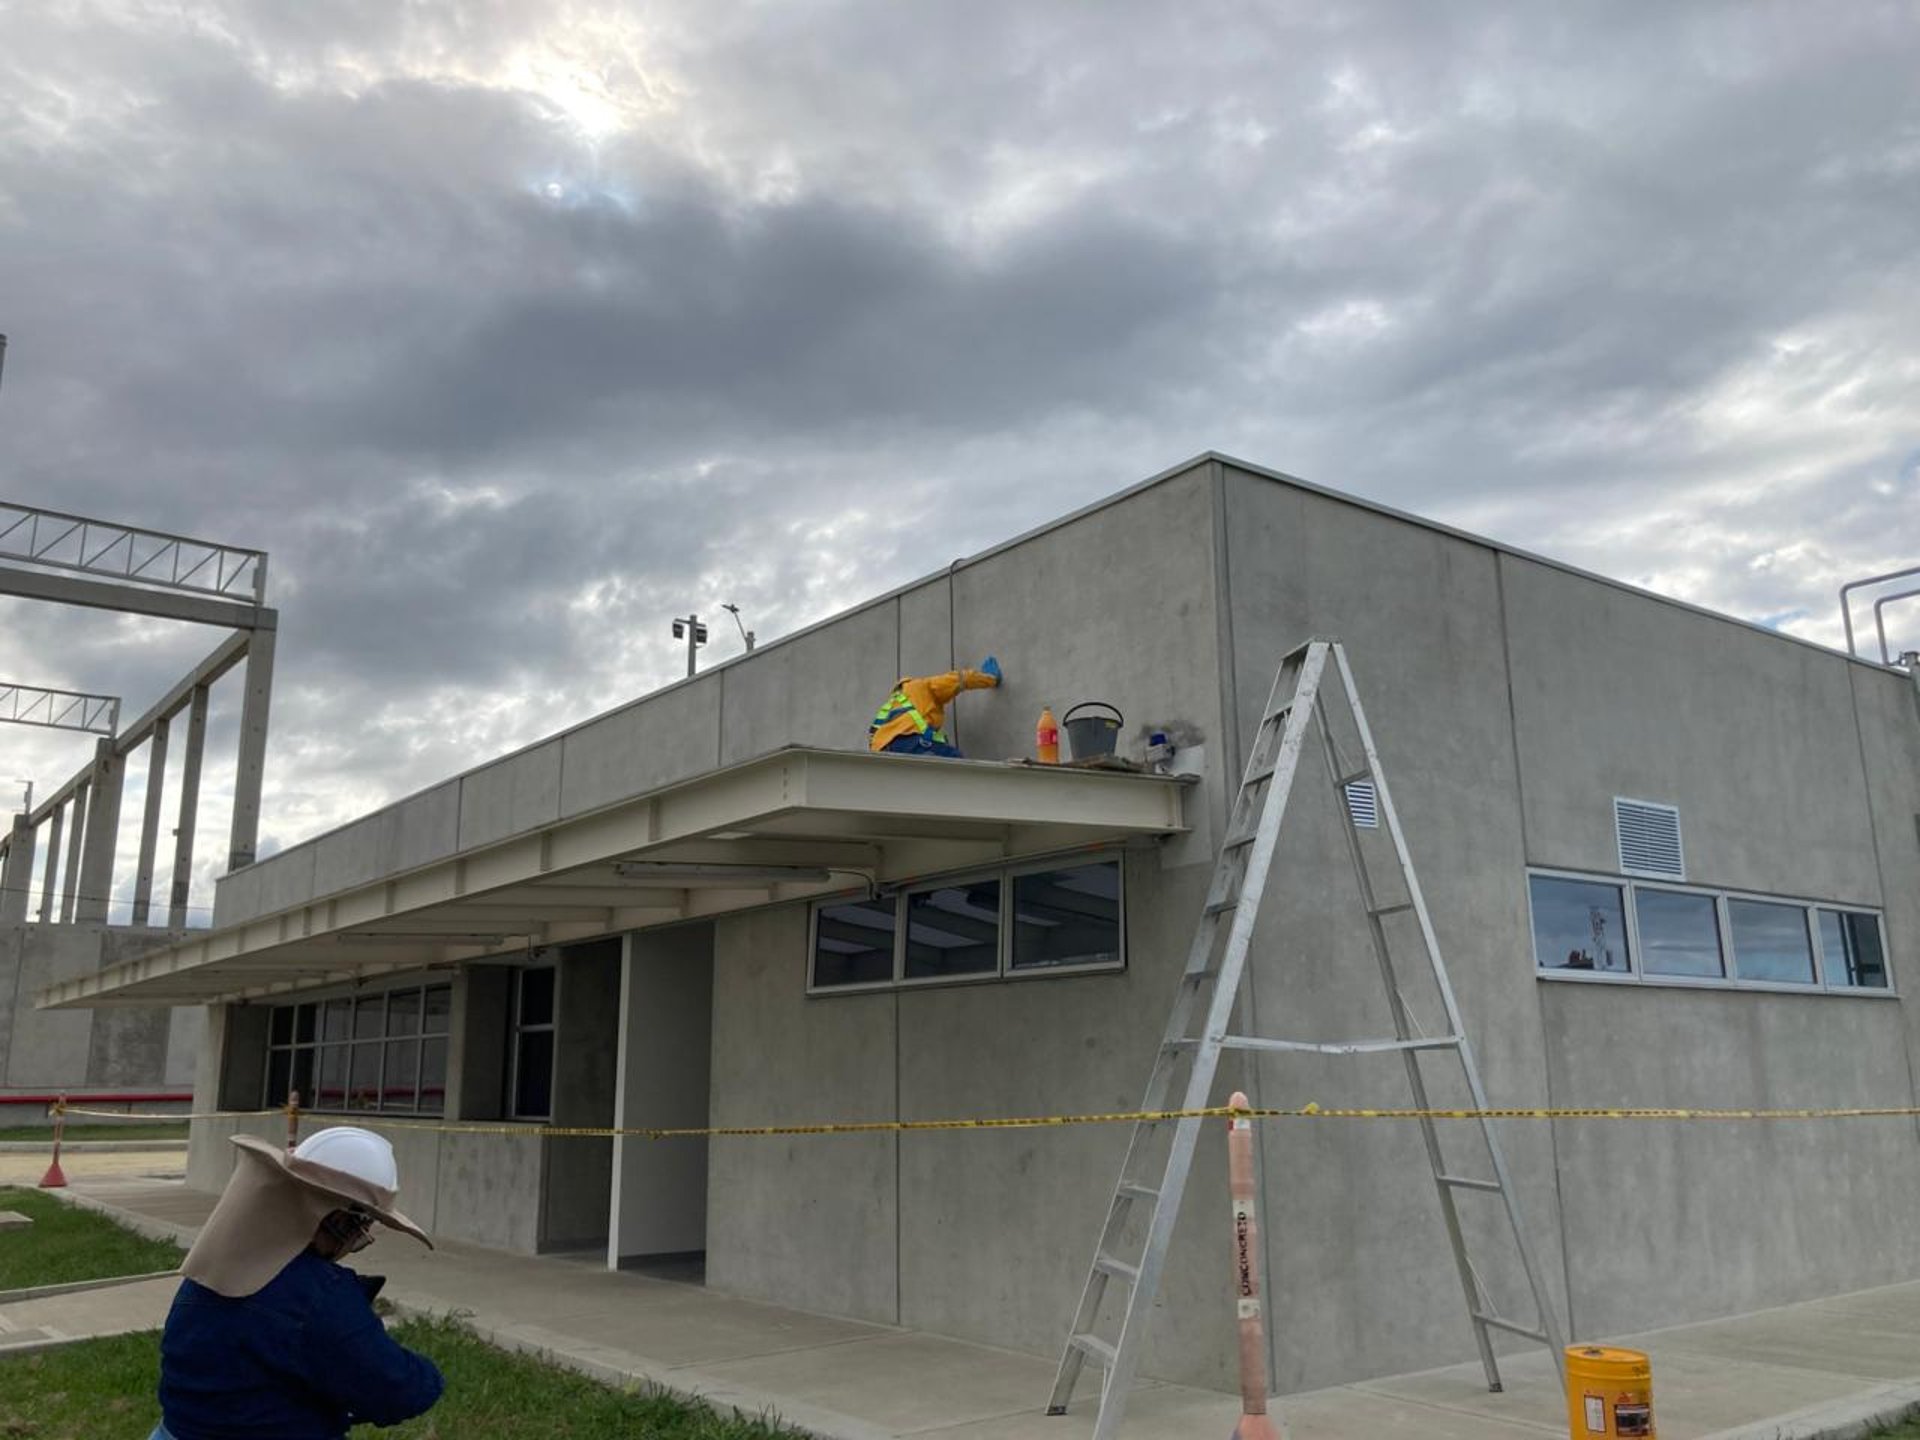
{"x":56,"y":1178}
{"x":1254,"y":1424}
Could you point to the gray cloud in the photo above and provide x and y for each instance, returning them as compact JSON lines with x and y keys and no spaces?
{"x":511,"y":332}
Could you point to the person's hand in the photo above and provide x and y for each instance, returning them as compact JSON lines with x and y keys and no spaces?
{"x":991,"y":666}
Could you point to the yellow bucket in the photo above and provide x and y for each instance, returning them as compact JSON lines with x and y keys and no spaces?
{"x":1609,"y":1393}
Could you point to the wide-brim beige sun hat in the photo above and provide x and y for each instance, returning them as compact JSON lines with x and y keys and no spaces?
{"x":273,"y":1205}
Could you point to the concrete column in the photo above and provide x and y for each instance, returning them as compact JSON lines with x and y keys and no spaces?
{"x":189,"y":809}
{"x":17,"y":879}
{"x":103,"y":832}
{"x":76,"y":843}
{"x":253,"y":750}
{"x":50,"y":877}
{"x":150,"y":823}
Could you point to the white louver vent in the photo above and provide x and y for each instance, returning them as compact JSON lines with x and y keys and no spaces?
{"x":1649,"y":839}
{"x":1363,"y":804}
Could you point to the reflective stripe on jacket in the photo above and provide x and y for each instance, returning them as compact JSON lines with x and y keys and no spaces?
{"x":918,"y":706}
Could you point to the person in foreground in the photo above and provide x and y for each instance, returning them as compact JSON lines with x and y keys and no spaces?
{"x":270,"y":1337}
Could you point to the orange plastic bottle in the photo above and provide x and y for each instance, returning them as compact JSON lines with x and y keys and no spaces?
{"x":1046,"y":738}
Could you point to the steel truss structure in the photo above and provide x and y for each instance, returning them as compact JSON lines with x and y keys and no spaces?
{"x":131,"y":570}
{"x":59,"y":709}
{"x":129,"y":553}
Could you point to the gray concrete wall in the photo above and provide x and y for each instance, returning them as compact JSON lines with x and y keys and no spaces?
{"x":578,"y":1187}
{"x":985,"y":1234}
{"x":106,"y":1051}
{"x":804,"y":1221}
{"x":666,"y":1052}
{"x":1364,"y":1278}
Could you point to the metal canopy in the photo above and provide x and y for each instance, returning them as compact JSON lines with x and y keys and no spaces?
{"x":790,"y":826}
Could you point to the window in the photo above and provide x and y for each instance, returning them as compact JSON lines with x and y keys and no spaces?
{"x":1770,"y":942}
{"x":533,"y":1030}
{"x":385,"y":1052}
{"x":953,"y":931}
{"x":1593,"y":926}
{"x":1679,"y":932}
{"x":1578,"y":924}
{"x":1066,"y":918}
{"x":1850,"y":952}
{"x":853,"y":944}
{"x":1024,"y":921}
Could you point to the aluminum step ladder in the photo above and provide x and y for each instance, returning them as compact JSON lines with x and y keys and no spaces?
{"x":1160,"y":1154}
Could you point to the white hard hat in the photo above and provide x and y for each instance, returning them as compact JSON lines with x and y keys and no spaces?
{"x":352,"y":1151}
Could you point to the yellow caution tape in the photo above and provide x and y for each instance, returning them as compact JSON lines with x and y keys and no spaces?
{"x":1310,"y":1111}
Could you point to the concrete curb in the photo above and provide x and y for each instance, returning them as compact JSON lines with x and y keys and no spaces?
{"x":90,"y":1147}
{"x":1852,"y":1418}
{"x":78,"y":1287}
{"x":181,"y":1235}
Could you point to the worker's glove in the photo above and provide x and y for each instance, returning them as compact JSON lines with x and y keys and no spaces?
{"x":991,"y":666}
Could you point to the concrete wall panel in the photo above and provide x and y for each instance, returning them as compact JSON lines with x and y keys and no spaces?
{"x":666,"y":1059}
{"x":1669,"y":1223}
{"x":419,"y":830}
{"x":806,"y":1220}
{"x":488,"y":1191}
{"x":519,"y":793}
{"x":48,"y":1047}
{"x":1117,"y":607}
{"x":579,"y":1170}
{"x":997,"y":1228}
{"x":1419,"y":613}
{"x":926,"y":631}
{"x":1619,"y":694}
{"x":820,"y":689}
{"x":668,"y":736}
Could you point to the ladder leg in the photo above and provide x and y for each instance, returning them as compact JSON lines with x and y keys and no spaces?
{"x":1549,"y":1321}
{"x":1416,"y":1082}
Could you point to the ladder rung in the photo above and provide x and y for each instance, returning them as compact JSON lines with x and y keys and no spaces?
{"x":1379,"y":911}
{"x":1365,"y":772}
{"x":1467,"y":1182}
{"x":1264,"y":773}
{"x":1511,"y":1328}
{"x":1239,"y":838}
{"x":1119,"y":1269}
{"x":1279,"y":711}
{"x":1096,"y":1347}
{"x":1220,"y":907}
{"x":1338,"y":1047}
{"x":1138,"y":1192}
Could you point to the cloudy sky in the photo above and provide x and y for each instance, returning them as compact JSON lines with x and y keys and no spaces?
{"x":512,"y":328}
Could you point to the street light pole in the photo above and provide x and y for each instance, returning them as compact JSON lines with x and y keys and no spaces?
{"x":694,"y":633}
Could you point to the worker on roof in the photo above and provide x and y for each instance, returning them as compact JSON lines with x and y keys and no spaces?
{"x":912,"y":722}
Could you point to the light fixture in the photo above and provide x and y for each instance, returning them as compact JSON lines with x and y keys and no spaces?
{"x":668,"y":872}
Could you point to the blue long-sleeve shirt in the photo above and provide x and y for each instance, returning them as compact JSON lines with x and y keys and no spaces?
{"x":302,"y":1359}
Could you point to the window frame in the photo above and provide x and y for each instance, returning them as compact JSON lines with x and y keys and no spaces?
{"x":517,"y":1028}
{"x":1636,"y":973}
{"x":1820,"y":950}
{"x":348,"y":1044}
{"x":1003,"y":971}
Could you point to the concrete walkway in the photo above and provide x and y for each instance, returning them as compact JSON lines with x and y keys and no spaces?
{"x":45,"y":1320}
{"x":1818,"y":1369}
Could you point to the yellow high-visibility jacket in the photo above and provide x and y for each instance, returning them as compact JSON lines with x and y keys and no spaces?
{"x":919,"y":705}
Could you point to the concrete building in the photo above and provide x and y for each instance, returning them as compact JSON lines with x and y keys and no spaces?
{"x":1670,"y":857}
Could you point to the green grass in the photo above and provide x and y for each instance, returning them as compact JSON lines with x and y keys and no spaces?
{"x":105,"y":1130}
{"x":66,"y":1243}
{"x":104,"y":1390}
{"x":1908,"y":1431}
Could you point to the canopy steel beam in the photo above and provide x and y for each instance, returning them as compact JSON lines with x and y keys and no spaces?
{"x":1048,"y":808}
{"x":59,"y":709}
{"x":128,"y":552}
